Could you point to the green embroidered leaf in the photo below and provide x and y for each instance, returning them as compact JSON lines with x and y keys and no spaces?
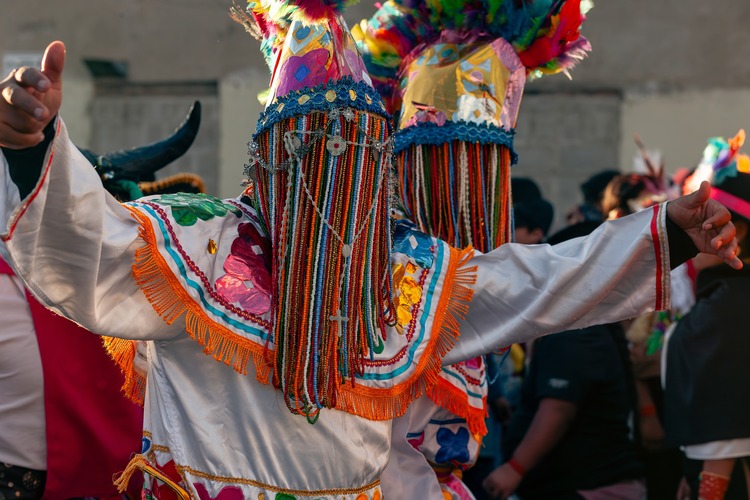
{"x":379,"y":345}
{"x":184,"y":216}
{"x":187,"y":208}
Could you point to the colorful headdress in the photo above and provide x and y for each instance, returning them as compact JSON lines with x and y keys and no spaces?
{"x":454,"y":73}
{"x":320,"y":167}
{"x":728,"y":171}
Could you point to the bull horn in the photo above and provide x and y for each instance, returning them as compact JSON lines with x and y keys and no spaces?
{"x":140,"y":163}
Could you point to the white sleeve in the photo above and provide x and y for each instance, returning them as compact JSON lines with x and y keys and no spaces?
{"x":74,"y":245}
{"x":523,"y":292}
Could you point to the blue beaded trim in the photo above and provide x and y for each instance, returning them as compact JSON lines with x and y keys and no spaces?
{"x":343,"y":93}
{"x":432,"y":133}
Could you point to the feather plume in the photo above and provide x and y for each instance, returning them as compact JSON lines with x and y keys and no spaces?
{"x":269,"y":20}
{"x":545,"y":33}
{"x":239,"y":15}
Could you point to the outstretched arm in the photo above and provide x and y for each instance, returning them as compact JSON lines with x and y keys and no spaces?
{"x":619,"y":271}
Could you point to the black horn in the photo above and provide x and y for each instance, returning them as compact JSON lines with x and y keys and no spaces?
{"x":139,"y":164}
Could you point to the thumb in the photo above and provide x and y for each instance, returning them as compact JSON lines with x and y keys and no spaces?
{"x":54,"y":61}
{"x":700,"y":196}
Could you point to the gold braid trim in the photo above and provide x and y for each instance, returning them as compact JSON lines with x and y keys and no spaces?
{"x":183,"y":469}
{"x":139,"y":462}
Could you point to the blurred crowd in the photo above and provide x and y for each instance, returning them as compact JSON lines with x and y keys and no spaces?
{"x":649,"y":408}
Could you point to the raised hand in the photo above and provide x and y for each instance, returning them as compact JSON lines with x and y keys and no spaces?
{"x":708,"y":223}
{"x":30,"y":99}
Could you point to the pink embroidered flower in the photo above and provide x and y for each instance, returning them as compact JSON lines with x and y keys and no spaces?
{"x":226,"y":493}
{"x":247,"y":281}
{"x":473,"y":363}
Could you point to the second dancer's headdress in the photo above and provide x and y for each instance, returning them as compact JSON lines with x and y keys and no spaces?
{"x":453,"y":73}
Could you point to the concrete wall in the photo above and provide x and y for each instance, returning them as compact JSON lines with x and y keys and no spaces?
{"x":238,"y":94}
{"x":678,"y":123}
{"x":564,"y":138}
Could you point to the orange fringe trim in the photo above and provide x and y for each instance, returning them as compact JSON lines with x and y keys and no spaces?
{"x":123,"y":353}
{"x":170,"y":300}
{"x":384,"y":404}
{"x":451,"y":398}
{"x":166,"y":295}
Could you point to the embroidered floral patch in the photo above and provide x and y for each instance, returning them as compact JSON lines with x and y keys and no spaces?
{"x":408,"y":293}
{"x":145,"y":445}
{"x":417,"y":245}
{"x":454,"y":446}
{"x":415,"y":440}
{"x":247,"y":281}
{"x":473,"y":363}
{"x":187,"y":208}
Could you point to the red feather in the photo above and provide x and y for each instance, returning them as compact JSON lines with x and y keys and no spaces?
{"x":549,"y":47}
{"x":314,"y":10}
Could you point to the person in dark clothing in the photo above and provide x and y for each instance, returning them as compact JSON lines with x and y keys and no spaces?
{"x":570,"y":436}
{"x":577,"y":397}
{"x":532,"y":220}
{"x":532,"y":214}
{"x":626,"y":194}
{"x":707,"y":406}
{"x":593,"y":192}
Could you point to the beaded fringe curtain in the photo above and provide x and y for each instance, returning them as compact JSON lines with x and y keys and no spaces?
{"x":327,"y":212}
{"x":458,"y":191}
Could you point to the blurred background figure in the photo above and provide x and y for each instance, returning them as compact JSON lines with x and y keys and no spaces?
{"x":626,"y":194}
{"x":532,"y":219}
{"x":532,"y":214}
{"x":593,"y":192}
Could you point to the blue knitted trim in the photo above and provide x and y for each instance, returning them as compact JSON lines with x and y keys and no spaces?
{"x":346,"y":94}
{"x":432,"y":133}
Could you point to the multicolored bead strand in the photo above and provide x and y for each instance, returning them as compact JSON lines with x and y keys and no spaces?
{"x":458,"y":191}
{"x":331,"y":174}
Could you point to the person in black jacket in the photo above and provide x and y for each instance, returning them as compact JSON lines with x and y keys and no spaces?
{"x":707,"y":404}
